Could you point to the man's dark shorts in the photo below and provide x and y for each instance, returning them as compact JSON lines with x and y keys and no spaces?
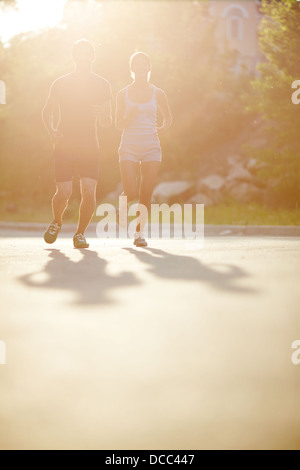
{"x":75,"y":159}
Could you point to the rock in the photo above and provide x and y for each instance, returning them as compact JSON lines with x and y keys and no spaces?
{"x":233,"y":160}
{"x":251,"y":163}
{"x":171,"y":191}
{"x":213,"y":182}
{"x":246,"y":193}
{"x":212,"y":187}
{"x":254,"y":181}
{"x":259,"y":183}
{"x":200,"y":198}
{"x":239,"y":173}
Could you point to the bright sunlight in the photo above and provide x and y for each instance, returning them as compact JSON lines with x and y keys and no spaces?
{"x":30,"y":15}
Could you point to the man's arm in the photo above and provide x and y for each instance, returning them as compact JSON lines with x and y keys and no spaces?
{"x":47,"y":114}
{"x":106,"y":119}
{"x":104,"y":113}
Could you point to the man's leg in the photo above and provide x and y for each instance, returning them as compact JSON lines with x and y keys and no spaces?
{"x":60,"y":200}
{"x":88,"y":203}
{"x":59,"y":205}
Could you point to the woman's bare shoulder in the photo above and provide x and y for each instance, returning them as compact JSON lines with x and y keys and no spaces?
{"x":160,"y":91}
{"x":122,"y":91}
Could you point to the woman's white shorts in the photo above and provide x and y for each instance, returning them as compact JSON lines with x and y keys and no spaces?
{"x":141,"y":152}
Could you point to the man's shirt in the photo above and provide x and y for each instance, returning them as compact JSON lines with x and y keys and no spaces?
{"x":76,"y":96}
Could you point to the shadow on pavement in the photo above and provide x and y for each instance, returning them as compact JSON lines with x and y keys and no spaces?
{"x":169,"y":266}
{"x":87,"y":278}
{"x":91,"y":284}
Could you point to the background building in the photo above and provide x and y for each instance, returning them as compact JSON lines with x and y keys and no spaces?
{"x":237,"y":24}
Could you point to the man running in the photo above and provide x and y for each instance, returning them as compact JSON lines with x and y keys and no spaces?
{"x":83,"y":99}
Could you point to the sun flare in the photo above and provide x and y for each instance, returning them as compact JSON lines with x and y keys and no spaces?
{"x":30,"y":15}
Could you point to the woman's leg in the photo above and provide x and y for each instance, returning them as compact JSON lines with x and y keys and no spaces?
{"x":149,"y":172}
{"x":129,"y":173}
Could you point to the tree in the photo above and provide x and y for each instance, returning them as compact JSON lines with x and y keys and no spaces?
{"x":280,"y":42}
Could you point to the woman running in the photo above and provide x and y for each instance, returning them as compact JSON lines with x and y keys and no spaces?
{"x":136,"y":116}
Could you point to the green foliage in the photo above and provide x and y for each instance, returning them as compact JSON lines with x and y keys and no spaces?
{"x":234,"y":213}
{"x":280,"y":42}
{"x":229,"y":213}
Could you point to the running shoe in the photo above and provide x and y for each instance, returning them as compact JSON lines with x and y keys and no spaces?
{"x":51,"y":233}
{"x":80,"y":241}
{"x":139,"y":239}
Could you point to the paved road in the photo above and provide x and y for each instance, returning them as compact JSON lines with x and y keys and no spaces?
{"x":158,"y":348}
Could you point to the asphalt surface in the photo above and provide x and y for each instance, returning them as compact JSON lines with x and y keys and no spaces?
{"x":173,"y":346}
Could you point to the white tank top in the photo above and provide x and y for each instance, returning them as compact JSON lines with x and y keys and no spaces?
{"x":144,"y":123}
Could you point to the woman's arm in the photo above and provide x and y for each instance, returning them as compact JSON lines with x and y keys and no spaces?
{"x":122,"y":121}
{"x":164,"y":108}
